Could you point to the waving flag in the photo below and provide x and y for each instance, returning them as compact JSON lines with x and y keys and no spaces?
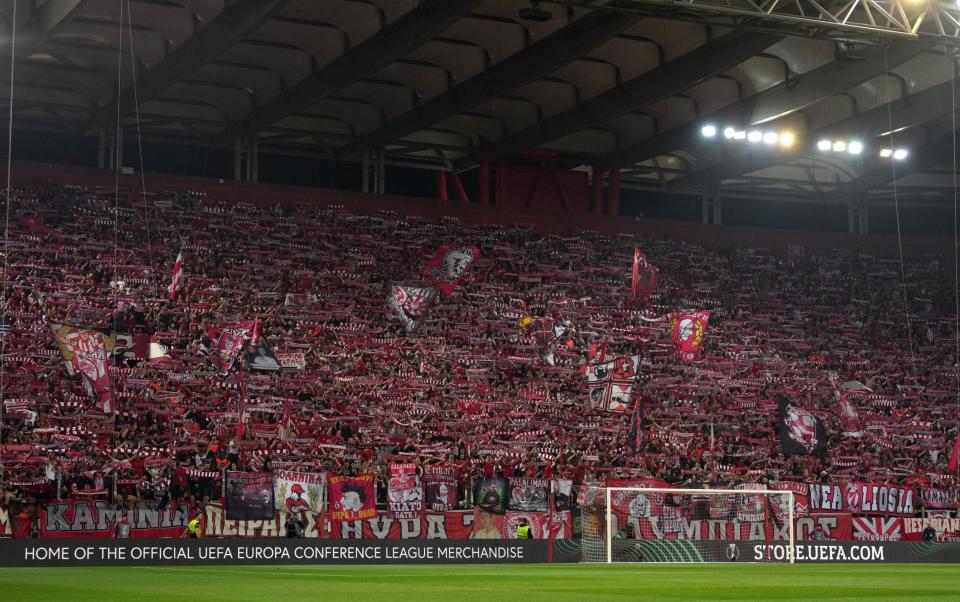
{"x":801,"y":433}
{"x":404,"y":491}
{"x":644,"y":277}
{"x":449,"y":265}
{"x":689,"y":329}
{"x":410,"y":304}
{"x":177,"y":280}
{"x":229,"y":341}
{"x":84,"y":351}
{"x":955,"y":456}
{"x":611,"y":383}
{"x":849,"y":418}
{"x":351,"y":498}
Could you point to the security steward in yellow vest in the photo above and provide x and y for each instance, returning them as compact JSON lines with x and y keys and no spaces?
{"x":195,"y":527}
{"x":523,"y":531}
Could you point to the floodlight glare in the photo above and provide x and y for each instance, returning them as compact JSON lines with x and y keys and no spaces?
{"x":740,"y":135}
{"x":886,"y":153}
{"x":839,"y":146}
{"x":729,"y":133}
{"x":709,"y":131}
{"x":770,"y":138}
{"x":787,"y":139}
{"x":855,"y":148}
{"x":824,"y":145}
{"x":900,"y":154}
{"x":755,"y":136}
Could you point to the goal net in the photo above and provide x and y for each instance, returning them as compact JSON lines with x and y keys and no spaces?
{"x":639,"y":524}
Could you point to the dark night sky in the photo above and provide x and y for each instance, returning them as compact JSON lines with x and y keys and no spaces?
{"x":197,"y":160}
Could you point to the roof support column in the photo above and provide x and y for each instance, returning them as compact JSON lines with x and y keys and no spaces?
{"x":373,"y":167}
{"x":102,"y":145}
{"x":442,"y":185}
{"x":614,"y":192}
{"x":596,"y":197}
{"x":484,"y":180}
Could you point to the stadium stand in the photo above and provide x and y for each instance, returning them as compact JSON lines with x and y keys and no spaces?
{"x":487,"y":385}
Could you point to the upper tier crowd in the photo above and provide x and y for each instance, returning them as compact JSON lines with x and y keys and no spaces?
{"x":470,"y":388}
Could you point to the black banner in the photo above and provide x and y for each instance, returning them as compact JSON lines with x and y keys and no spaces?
{"x":250,"y":496}
{"x":150,"y":552}
{"x":492,"y":495}
{"x":801,"y":433}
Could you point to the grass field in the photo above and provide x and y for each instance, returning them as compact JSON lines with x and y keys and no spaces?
{"x":463,"y":583}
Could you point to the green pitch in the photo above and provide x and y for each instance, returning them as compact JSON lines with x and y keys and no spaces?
{"x":463,"y":583}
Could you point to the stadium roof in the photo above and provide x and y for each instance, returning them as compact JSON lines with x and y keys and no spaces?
{"x":623,"y":84}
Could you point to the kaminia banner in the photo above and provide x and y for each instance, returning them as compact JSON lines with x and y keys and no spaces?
{"x":440,"y":484}
{"x":404,"y":492}
{"x":96,"y":519}
{"x":261,"y":358}
{"x":351,"y":498}
{"x":610,"y":384}
{"x":228,"y":342}
{"x":492,"y":495}
{"x":529,"y":495}
{"x":84,"y":351}
{"x":644,"y":278}
{"x":557,"y":525}
{"x":801,"y":433}
{"x":250,"y":496}
{"x":410,"y":304}
{"x":299,"y":492}
{"x":449,"y":265}
{"x":177,"y":280}
{"x":688,"y":330}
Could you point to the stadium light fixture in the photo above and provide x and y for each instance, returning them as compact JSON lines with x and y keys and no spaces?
{"x":771,"y":138}
{"x":787,"y":139}
{"x":839,"y":146}
{"x":900,"y":154}
{"x":740,"y":135}
{"x":708,"y":131}
{"x":824,"y":145}
{"x":855,"y":148}
{"x":755,"y":136}
{"x":886,"y":153}
{"x":729,"y":133}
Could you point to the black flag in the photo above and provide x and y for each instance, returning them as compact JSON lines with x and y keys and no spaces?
{"x":801,"y":433}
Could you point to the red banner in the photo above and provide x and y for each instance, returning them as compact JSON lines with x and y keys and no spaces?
{"x":445,"y":525}
{"x":556,"y":525}
{"x":689,"y":330}
{"x":644,"y":278}
{"x":95,"y":519}
{"x":449,"y":265}
{"x":229,"y":341}
{"x":351,"y":498}
{"x":404,"y":491}
{"x":939,"y":498}
{"x":440,"y":488}
{"x":936,"y":529}
{"x":877,"y":528}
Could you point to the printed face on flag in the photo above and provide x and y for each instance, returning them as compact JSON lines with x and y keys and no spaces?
{"x":619,"y":397}
{"x":803,"y":427}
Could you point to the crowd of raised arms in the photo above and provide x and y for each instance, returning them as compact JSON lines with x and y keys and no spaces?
{"x":471,"y":388}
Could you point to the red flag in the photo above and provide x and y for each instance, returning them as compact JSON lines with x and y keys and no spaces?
{"x":689,"y":329}
{"x":229,"y":341}
{"x":644,"y":277}
{"x":955,"y":457}
{"x":177,"y":276}
{"x":85,"y":352}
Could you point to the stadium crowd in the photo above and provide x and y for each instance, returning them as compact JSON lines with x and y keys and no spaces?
{"x":470,"y":388}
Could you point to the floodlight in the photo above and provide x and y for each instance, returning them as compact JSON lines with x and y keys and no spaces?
{"x":839,"y":146}
{"x":886,"y":153}
{"x":708,"y":131}
{"x":787,"y":139}
{"x":740,"y":135}
{"x":770,"y":138}
{"x":729,"y":133}
{"x":755,"y":136}
{"x":824,"y":145}
{"x":900,"y":154}
{"x":855,"y":148}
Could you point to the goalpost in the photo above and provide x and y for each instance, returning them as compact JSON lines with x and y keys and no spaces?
{"x":643,"y":524}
